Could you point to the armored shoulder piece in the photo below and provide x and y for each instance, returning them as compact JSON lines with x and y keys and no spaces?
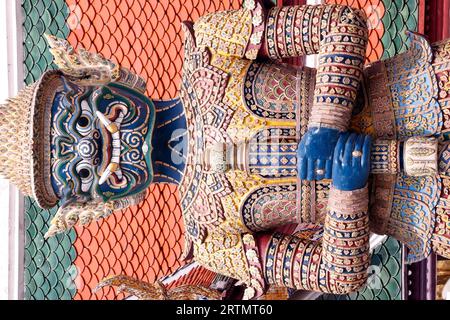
{"x":232,"y":33}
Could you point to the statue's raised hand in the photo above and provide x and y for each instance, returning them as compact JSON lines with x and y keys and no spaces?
{"x":351,"y":161}
{"x":315,"y":153}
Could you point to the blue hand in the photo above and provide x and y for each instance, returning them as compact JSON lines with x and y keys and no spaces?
{"x":351,"y":161}
{"x":315,"y":153}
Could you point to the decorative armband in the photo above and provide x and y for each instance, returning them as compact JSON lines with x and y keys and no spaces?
{"x":327,"y":115}
{"x":385,"y":157}
{"x":348,"y":203}
{"x":420,"y":156}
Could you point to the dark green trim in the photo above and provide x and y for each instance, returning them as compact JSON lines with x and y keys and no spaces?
{"x":48,"y":267}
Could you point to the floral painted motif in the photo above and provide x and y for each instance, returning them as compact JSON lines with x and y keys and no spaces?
{"x":269,"y":207}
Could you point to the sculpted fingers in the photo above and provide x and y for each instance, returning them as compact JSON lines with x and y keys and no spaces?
{"x":339,"y":149}
{"x":365,"y":159}
{"x":320,"y":169}
{"x":349,"y":148}
{"x":311,"y":167}
{"x":357,"y":151}
{"x":329,"y":169}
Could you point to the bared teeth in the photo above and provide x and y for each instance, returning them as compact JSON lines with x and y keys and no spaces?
{"x":116,"y":143}
{"x":85,"y":106}
{"x":116,"y":152}
{"x":119,"y":118}
{"x":106,"y":122}
{"x":104,"y":176}
{"x":110,"y":126}
{"x":112,"y":167}
{"x":113,"y":128}
{"x":115,"y":159}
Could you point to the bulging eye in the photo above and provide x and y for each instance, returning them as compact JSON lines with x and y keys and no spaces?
{"x":86,"y":176}
{"x":84,"y":173}
{"x":84,"y":122}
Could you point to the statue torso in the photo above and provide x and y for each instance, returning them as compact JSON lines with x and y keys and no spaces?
{"x":253,"y":106}
{"x":265,"y":106}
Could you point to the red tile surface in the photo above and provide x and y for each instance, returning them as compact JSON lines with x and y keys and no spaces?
{"x":144,"y":35}
{"x":144,"y":242}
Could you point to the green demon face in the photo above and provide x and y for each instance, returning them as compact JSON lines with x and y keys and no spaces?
{"x":100,"y":142}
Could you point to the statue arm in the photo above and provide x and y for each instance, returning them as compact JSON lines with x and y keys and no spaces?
{"x":345,"y":242}
{"x":338,"y":34}
{"x":337,"y":264}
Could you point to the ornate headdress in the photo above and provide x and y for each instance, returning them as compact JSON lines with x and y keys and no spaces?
{"x":25,"y":120}
{"x":25,"y":139}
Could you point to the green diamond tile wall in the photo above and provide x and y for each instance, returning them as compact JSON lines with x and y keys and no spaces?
{"x":399,"y":16}
{"x":49,"y":273}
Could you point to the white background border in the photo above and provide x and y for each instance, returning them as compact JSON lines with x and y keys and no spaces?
{"x":11,"y":201}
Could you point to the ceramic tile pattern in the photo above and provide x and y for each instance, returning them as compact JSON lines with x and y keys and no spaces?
{"x":49,"y":270}
{"x":146,"y":240}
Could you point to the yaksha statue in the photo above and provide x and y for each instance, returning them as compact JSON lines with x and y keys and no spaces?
{"x":282,"y":171}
